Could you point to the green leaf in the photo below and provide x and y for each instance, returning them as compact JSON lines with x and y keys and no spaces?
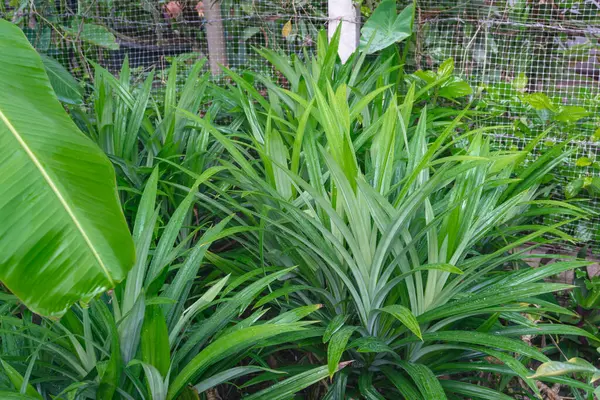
{"x":295,"y":314}
{"x":520,"y":82}
{"x":337,"y":346}
{"x":473,"y":391}
{"x":404,"y":386}
{"x":557,"y":368}
{"x":130,"y":329}
{"x":154,"y":301}
{"x":143,"y":229}
{"x":287,"y":388}
{"x":15,"y":396}
{"x":366,"y":388}
{"x":67,"y":89}
{"x":386,"y":27}
{"x":426,"y":381}
{"x":485,"y":339}
{"x":490,"y":298}
{"x":178,"y":289}
{"x":455,"y":88}
{"x":539,"y":101}
{"x":229,"y":375}
{"x":191,"y":311}
{"x":225,"y":313}
{"x":583,"y":162}
{"x":284,"y":291}
{"x":17,"y":380}
{"x":573,"y":188}
{"x":545,"y":329}
{"x":571,"y":114}
{"x":405,"y":316}
{"x":168,"y":239}
{"x":225,"y":346}
{"x":63,"y":236}
{"x":282,"y":64}
{"x":109,"y":379}
{"x":278,"y":161}
{"x":370,"y":344}
{"x":156,"y":383}
{"x":155,"y":340}
{"x":249,"y":32}
{"x":93,"y":34}
{"x":428,"y":76}
{"x":452,"y":269}
{"x":445,"y":69}
{"x":334,"y":325}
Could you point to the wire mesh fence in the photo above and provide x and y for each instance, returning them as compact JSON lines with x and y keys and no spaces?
{"x":149,"y":32}
{"x":536,"y":62}
{"x":538,"y":66}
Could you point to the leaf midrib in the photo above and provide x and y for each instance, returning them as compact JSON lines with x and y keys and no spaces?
{"x":58,"y":194}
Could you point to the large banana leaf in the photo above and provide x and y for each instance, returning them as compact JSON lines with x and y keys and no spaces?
{"x":63,"y":237}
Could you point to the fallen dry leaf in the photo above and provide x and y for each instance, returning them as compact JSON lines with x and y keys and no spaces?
{"x":287,"y":29}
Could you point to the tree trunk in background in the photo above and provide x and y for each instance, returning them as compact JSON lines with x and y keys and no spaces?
{"x":347,"y":12}
{"x":217,"y":50}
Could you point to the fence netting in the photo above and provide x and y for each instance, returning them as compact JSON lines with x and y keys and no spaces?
{"x":537,"y":66}
{"x":150,"y":33}
{"x":535,"y":63}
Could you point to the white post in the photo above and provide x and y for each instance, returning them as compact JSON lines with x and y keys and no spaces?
{"x":215,"y":38}
{"x":349,"y":14}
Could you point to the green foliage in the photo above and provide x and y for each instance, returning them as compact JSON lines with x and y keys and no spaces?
{"x":67,"y":89}
{"x":385,"y":27}
{"x":583,"y":300}
{"x":566,"y":114}
{"x":17,"y":380}
{"x":443,"y":83}
{"x":386,"y":204}
{"x":574,"y":365}
{"x":63,"y":236}
{"x":91,"y":33}
{"x":384,"y":232}
{"x":159,"y":330}
{"x":577,"y":367}
{"x":285,"y":389}
{"x":99,"y":350}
